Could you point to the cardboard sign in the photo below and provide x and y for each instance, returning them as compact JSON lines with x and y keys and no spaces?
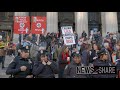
{"x":21,"y":24}
{"x":67,"y":30}
{"x":38,"y":25}
{"x":69,"y":40}
{"x":68,"y":35}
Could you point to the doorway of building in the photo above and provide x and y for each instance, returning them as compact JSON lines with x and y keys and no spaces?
{"x":66,"y":19}
{"x":94,"y":22}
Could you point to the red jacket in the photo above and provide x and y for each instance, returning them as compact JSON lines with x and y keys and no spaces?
{"x":64,"y":56}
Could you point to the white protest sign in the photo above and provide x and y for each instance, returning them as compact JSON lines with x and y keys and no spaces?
{"x":69,"y":40}
{"x":68,"y":36}
{"x":67,"y":30}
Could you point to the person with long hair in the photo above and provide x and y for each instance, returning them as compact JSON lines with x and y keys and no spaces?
{"x":93,"y":52}
{"x":64,"y":59}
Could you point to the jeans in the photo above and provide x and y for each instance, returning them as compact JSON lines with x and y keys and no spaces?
{"x":2,"y":60}
{"x":61,"y":72}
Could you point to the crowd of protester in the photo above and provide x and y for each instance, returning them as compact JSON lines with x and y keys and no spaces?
{"x":48,"y":56}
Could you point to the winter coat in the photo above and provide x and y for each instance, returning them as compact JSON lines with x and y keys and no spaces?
{"x":70,"y":71}
{"x":44,"y":71}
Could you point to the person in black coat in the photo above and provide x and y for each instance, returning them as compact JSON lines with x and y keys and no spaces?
{"x":93,"y":52}
{"x":44,"y":68}
{"x":70,"y":70}
{"x":118,"y":68}
{"x":21,"y":66}
{"x":86,"y":55}
{"x":84,"y":34}
{"x":103,"y":61}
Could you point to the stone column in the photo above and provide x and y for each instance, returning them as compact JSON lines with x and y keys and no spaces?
{"x":81,"y":22}
{"x":52,"y":22}
{"x":16,"y":36}
{"x":109,"y":22}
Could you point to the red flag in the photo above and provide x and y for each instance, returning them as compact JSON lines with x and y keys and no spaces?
{"x":21,"y":24}
{"x":38,"y":25}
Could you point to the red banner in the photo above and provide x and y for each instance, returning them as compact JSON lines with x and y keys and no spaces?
{"x":21,"y":24}
{"x":38,"y":25}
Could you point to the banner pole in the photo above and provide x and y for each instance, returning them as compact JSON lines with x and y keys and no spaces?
{"x":38,"y":38}
{"x":21,"y":38}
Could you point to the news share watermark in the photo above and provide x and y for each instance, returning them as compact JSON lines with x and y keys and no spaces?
{"x":96,"y":70}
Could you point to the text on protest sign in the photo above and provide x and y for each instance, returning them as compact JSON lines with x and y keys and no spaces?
{"x":21,"y":24}
{"x":67,"y":30}
{"x":68,"y":35}
{"x":69,"y":40}
{"x":38,"y":25}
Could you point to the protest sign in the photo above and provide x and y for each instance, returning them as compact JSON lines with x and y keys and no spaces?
{"x":21,"y":24}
